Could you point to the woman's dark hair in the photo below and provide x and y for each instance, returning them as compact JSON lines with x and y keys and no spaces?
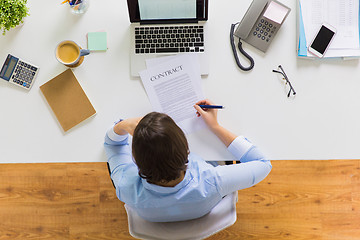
{"x":160,"y":148}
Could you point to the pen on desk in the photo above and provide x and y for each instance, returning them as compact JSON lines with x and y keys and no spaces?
{"x":65,"y":1}
{"x":211,"y":106}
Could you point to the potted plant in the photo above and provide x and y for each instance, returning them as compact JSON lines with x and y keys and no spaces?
{"x":12,"y":13}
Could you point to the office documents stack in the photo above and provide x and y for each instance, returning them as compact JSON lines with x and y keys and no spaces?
{"x":342,"y":14}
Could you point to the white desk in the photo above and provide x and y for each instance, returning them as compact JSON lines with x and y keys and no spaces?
{"x":322,"y":122}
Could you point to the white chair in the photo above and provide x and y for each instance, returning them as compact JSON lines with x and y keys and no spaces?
{"x":220,"y":217}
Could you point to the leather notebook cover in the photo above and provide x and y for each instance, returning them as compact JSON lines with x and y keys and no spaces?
{"x":67,"y":99}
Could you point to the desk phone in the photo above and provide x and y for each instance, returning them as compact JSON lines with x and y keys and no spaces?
{"x":261,"y":23}
{"x":18,"y":72}
{"x":258,"y":27}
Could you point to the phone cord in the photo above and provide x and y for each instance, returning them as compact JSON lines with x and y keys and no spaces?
{"x":251,"y":60}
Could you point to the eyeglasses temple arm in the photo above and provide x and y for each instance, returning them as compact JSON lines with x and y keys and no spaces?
{"x":286,"y":79}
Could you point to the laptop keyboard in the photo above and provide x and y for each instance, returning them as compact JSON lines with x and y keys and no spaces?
{"x":169,"y":39}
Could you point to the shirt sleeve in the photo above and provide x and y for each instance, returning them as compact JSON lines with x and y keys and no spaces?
{"x":254,"y":167}
{"x":119,"y":156}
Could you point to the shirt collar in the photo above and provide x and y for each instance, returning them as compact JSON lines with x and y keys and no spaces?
{"x":160,"y":189}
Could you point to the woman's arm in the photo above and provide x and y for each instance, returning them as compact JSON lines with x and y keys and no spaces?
{"x":254,"y":166}
{"x":118,"y":150}
{"x":126,"y":126}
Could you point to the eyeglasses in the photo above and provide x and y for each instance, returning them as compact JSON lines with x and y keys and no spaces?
{"x":282,"y":72}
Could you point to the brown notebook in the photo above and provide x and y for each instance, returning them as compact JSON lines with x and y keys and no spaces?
{"x":67,"y":99}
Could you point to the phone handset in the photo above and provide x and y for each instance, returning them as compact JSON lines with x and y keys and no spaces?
{"x":246,"y":55}
{"x":251,"y":16}
{"x":244,"y":29}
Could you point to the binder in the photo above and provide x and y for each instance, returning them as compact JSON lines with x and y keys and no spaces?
{"x":301,"y":39}
{"x":67,"y":100}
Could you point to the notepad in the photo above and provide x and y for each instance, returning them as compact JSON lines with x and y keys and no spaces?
{"x":97,"y":41}
{"x":67,"y":99}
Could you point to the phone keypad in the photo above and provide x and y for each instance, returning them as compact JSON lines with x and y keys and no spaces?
{"x":264,"y":30}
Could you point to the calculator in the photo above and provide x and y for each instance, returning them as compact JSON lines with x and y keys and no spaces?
{"x":19,"y":72}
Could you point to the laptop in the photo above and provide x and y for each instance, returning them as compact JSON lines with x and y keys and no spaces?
{"x":162,"y":28}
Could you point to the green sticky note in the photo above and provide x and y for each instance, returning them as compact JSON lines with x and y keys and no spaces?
{"x":97,"y":41}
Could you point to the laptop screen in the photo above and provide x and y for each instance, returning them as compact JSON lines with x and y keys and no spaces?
{"x":159,"y":11}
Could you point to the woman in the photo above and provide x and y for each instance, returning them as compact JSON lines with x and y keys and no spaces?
{"x":163,"y":181}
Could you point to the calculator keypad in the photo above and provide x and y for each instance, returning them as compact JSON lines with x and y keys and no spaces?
{"x":24,"y":74}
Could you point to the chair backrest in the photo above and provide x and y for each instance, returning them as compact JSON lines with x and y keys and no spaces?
{"x":220,"y":217}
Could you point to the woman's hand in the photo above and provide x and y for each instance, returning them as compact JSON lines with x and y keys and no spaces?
{"x":210,"y":118}
{"x":209,"y":115}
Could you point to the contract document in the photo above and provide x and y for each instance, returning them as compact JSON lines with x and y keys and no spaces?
{"x":173,"y":87}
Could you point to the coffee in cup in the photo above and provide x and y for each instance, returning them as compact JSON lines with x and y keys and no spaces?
{"x":69,"y":53}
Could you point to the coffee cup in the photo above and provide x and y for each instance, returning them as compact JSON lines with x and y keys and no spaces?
{"x":70,"y":54}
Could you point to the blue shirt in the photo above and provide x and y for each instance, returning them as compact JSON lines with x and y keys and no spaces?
{"x":201,"y":189}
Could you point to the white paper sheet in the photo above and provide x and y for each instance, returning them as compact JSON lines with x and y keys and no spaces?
{"x":173,"y":87}
{"x":167,"y":9}
{"x":342,"y":14}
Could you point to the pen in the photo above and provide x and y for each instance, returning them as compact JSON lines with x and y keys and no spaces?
{"x":212,"y":106}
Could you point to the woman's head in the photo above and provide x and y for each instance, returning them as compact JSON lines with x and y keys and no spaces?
{"x":160,"y":148}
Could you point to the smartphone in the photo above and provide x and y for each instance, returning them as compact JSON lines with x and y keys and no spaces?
{"x":322,"y":40}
